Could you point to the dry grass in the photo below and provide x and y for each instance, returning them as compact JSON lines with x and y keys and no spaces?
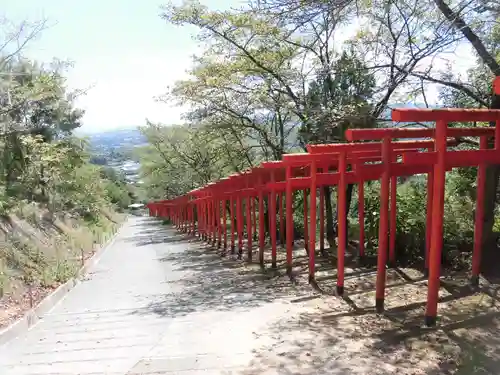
{"x":39,"y":252}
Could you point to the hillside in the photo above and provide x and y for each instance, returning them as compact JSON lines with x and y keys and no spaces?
{"x":41,"y":250}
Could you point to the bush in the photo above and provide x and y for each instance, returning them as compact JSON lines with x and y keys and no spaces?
{"x":411,"y":217}
{"x":118,"y":194}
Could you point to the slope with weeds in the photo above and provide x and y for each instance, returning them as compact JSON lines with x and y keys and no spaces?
{"x":40,"y":251}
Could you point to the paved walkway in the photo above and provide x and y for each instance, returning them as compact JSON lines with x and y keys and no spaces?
{"x":158,"y":303}
{"x":153,"y":304}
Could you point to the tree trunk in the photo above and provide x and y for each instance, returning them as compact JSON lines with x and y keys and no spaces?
{"x":488,"y":242}
{"x":329,"y":221}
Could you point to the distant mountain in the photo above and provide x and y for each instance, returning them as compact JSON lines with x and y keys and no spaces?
{"x":114,"y":147}
{"x":87,"y":132}
{"x":117,"y":138}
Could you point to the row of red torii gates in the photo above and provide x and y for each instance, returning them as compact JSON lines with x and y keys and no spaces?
{"x":385,"y":157}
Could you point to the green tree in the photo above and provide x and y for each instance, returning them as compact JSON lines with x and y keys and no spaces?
{"x":181,"y":158}
{"x":263,"y":86}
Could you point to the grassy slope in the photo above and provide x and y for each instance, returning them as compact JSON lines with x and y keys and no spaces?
{"x":39,"y":252}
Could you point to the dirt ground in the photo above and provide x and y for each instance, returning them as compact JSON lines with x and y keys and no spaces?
{"x":322,"y":333}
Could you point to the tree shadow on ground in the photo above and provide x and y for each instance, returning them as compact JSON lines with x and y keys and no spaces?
{"x":359,"y":341}
{"x":467,"y":337}
{"x":156,"y":233}
{"x":320,"y":334}
{"x":148,"y":221}
{"x":199,"y":279}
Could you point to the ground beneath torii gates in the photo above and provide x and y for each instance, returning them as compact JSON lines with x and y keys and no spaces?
{"x":157,"y":303}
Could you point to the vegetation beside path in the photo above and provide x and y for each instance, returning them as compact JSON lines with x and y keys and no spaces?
{"x":272,"y":77}
{"x":56,"y":207}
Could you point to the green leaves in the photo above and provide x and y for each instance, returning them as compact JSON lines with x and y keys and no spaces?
{"x":191,"y":12}
{"x":181,"y":158}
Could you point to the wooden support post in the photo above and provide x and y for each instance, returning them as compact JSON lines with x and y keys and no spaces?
{"x":239,"y":225}
{"x":282,"y":218}
{"x":261,"y":224}
{"x":254,"y":218}
{"x":384,"y":225}
{"x":209,"y":221}
{"x":321,"y":220}
{"x":248,"y":206}
{"x":479,"y":217}
{"x":224,"y":226}
{"x":272,"y":223}
{"x":392,"y":224}
{"x":437,"y":226}
{"x":219,"y":223}
{"x":215,"y":217}
{"x":312,"y":225}
{"x":289,"y":219}
{"x":231,"y":214}
{"x":306,"y":226}
{"x":361,"y":218}
{"x":341,"y":222}
{"x":428,"y":220}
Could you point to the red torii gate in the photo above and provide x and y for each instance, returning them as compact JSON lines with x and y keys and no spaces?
{"x":441,"y":159}
{"x":338,"y":156}
{"x":435,"y":162}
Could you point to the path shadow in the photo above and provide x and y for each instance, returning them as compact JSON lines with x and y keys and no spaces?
{"x":199,"y":279}
{"x":468,"y":335}
{"x":466,"y":341}
{"x":155,"y":233}
{"x":324,"y":335}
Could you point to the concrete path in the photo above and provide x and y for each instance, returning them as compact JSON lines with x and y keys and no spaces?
{"x":155,"y":303}
{"x":158,"y":303}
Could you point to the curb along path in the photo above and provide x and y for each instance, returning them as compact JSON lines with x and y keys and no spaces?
{"x":148,"y":307}
{"x":32,"y":316}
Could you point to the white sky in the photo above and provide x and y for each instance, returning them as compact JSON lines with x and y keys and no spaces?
{"x":123,"y":50}
{"x":120,"y":48}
